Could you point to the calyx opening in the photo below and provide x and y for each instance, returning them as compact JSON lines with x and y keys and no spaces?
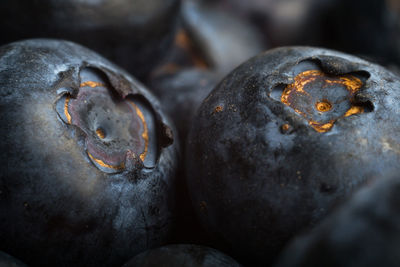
{"x":323,"y":98}
{"x":118,"y":130}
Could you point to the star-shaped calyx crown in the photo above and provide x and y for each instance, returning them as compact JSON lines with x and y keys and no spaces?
{"x":119,"y":131}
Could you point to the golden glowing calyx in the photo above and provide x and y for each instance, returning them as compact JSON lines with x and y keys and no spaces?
{"x":114,"y":126}
{"x":322,"y":99}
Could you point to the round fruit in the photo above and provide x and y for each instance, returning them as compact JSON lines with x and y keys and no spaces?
{"x":282,"y":138}
{"x":134,"y":34}
{"x":182,"y":255}
{"x":89,"y":158}
{"x":365,"y":231}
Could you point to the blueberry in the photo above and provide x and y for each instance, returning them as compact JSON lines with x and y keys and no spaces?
{"x":89,"y":158}
{"x":285,"y":136}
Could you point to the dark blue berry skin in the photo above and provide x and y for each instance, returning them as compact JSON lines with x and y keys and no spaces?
{"x":258,"y":172}
{"x":58,"y":205}
{"x":364,"y":231}
{"x":133,"y":34}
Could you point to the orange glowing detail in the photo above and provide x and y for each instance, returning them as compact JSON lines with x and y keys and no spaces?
{"x":91,"y":84}
{"x":100,"y":133}
{"x":285,"y":127}
{"x":351,"y":83}
{"x":300,"y":81}
{"x":218,"y":109}
{"x":354,"y":110}
{"x":105,"y":165}
{"x":66,"y":112}
{"x":322,"y":128}
{"x":145,"y":133}
{"x":323,"y":106}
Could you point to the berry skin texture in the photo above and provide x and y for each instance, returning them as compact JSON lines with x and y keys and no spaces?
{"x":182,"y":255}
{"x":89,"y":158}
{"x":284,"y":137}
{"x":364,"y":231}
{"x":133,"y":34}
